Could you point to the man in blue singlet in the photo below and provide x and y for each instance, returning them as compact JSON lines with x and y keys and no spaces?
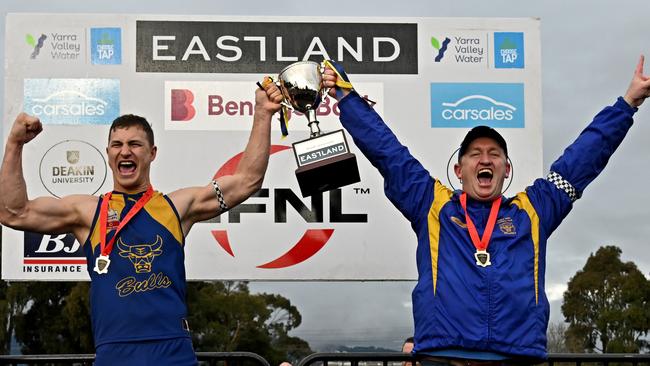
{"x":480,"y":299}
{"x":133,"y":237}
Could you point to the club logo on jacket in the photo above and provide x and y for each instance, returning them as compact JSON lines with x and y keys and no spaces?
{"x":506,"y":226}
{"x":458,"y":222}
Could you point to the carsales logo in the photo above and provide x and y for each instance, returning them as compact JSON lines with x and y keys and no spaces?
{"x":470,"y":104}
{"x":321,"y":216}
{"x":72,"y":101}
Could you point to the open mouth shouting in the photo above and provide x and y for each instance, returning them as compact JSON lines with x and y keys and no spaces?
{"x":126,"y":167}
{"x":484,"y":177}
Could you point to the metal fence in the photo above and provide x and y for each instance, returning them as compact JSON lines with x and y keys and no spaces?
{"x":332,"y":359}
{"x":205,"y":358}
{"x":395,"y":359}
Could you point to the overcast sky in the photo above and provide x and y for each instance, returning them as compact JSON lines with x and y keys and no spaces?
{"x":589,"y":51}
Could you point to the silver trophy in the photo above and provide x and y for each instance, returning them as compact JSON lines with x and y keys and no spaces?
{"x":324,"y":160}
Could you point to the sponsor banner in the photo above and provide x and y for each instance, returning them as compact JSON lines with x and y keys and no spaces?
{"x":53,"y":44}
{"x":194,"y":79}
{"x":498,"y":105}
{"x":106,"y":46}
{"x":260,"y":47}
{"x":72,"y":101}
{"x":72,"y":167}
{"x":52,"y":256}
{"x":228,"y":106}
{"x":460,"y":48}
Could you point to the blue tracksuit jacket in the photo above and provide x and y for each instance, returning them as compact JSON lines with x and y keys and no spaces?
{"x":501,"y":308}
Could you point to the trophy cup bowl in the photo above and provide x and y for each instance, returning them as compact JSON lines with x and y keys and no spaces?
{"x":324,"y":160}
{"x":301,"y":84}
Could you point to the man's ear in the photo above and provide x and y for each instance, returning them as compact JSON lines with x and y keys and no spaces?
{"x":457,"y":170}
{"x":508,"y":168}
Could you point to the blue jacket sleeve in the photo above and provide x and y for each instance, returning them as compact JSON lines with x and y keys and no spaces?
{"x":406,"y":183}
{"x":581,"y":163}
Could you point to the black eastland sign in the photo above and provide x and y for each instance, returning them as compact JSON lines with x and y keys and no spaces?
{"x":252,"y":47}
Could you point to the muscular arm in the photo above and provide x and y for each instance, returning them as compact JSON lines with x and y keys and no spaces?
{"x":42,"y":214}
{"x":200,"y":203}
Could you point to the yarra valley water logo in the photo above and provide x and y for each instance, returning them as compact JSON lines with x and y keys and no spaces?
{"x":441,"y":48}
{"x":35,"y":44}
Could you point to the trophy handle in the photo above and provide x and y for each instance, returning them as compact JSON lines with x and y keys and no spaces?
{"x":324,"y":91}
{"x":284,"y":101}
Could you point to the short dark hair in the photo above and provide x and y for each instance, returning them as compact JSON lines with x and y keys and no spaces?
{"x":131,"y":120}
{"x":482,"y":131}
{"x":408,"y":340}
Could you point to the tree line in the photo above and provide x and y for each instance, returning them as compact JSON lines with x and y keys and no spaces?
{"x":606,"y":308}
{"x":54,"y":318}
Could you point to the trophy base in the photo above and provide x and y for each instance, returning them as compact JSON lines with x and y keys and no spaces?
{"x":324,"y":175}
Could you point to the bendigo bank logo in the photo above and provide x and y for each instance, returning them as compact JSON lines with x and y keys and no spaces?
{"x":312,"y":240}
{"x":228,"y":106}
{"x":181,"y":105}
{"x":470,"y":104}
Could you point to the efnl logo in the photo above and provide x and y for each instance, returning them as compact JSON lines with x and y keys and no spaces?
{"x":471,"y":104}
{"x":106,"y":46}
{"x":440,"y":48}
{"x":508,"y":50}
{"x":72,"y":101}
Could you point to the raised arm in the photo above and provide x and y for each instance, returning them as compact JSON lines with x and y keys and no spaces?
{"x":583,"y":160}
{"x":43,"y":214}
{"x":639,"y":88}
{"x":202,"y":203}
{"x":407,"y":183}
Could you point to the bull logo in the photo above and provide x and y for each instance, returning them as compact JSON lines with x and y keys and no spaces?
{"x":141,"y":255}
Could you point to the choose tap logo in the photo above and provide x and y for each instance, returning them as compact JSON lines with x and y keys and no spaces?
{"x":471,"y":104}
{"x":72,"y":101}
{"x":106,"y":46}
{"x":509,"y":50}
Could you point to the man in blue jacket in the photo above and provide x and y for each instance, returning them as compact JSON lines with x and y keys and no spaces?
{"x":481,"y":256}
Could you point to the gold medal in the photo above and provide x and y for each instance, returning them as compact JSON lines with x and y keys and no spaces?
{"x":482,"y":258}
{"x":101,"y":264}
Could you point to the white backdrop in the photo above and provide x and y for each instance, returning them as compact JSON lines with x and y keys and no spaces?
{"x":361,"y":236}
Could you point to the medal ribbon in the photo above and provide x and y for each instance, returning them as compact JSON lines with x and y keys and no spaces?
{"x":483,"y":243}
{"x":103,"y":218}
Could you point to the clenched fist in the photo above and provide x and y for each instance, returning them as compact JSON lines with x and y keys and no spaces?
{"x":25,"y":128}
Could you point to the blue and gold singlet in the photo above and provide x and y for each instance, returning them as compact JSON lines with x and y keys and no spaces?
{"x":142,"y":297}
